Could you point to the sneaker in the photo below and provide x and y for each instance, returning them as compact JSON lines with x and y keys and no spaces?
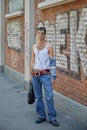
{"x":39,"y":120}
{"x":54,"y":122}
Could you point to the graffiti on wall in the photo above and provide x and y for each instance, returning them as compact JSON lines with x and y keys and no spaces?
{"x":69,"y":37}
{"x":14,"y":35}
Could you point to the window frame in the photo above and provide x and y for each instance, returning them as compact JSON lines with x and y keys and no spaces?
{"x":48,"y":3}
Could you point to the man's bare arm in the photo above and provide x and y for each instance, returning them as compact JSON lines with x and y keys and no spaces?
{"x":50,"y":51}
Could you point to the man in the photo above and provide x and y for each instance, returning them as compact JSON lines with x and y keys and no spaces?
{"x":43,"y":75}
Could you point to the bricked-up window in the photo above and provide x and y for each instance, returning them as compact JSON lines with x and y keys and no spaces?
{"x":14,"y":35}
{"x":15,"y":5}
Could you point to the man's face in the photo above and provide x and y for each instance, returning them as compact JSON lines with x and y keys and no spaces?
{"x":41,"y":35}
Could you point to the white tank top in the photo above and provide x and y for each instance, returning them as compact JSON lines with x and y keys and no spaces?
{"x":41,"y":58}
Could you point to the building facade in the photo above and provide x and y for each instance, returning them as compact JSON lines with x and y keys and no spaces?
{"x":17,"y":26}
{"x":66,"y":25}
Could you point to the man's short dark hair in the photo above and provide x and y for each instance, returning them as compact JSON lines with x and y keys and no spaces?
{"x":41,"y":28}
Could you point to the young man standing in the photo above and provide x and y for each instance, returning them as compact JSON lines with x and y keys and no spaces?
{"x":43,"y":71}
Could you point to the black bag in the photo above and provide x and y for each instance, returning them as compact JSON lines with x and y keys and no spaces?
{"x":31,"y":96}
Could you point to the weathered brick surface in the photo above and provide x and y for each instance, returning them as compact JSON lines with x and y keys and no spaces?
{"x":67,"y":31}
{"x":14,"y":41}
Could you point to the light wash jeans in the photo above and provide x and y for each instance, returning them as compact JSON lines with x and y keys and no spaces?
{"x":45,"y":82}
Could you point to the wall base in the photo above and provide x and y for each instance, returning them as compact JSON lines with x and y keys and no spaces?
{"x":73,"y":109}
{"x":14,"y":74}
{"x":18,"y":77}
{"x":1,"y":68}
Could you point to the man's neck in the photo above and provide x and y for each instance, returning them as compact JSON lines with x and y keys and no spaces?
{"x":41,"y":42}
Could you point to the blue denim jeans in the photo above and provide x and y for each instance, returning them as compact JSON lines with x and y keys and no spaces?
{"x":45,"y":82}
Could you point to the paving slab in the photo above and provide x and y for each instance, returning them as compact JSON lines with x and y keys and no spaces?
{"x":16,"y":114}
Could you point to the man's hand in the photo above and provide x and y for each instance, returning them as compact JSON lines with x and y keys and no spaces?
{"x":53,"y":82}
{"x":30,"y":78}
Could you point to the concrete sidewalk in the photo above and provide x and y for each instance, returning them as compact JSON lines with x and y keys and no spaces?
{"x":16,"y":114}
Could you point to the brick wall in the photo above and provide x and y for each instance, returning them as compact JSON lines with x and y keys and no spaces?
{"x":67,"y":31}
{"x":14,"y":41}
